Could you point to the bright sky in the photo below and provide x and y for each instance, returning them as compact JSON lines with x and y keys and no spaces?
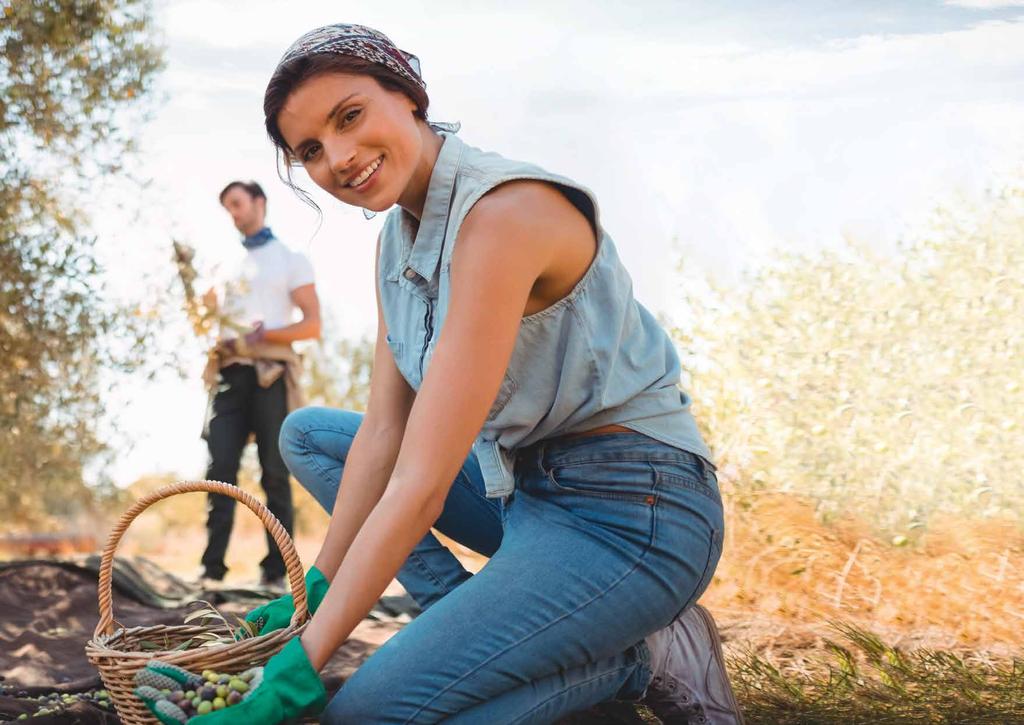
{"x":735,"y":128}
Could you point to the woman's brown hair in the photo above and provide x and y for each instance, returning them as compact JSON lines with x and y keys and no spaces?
{"x":289,"y":76}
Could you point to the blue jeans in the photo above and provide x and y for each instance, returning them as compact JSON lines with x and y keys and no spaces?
{"x":606,"y":539}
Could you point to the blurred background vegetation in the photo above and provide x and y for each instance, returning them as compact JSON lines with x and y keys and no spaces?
{"x":74,"y":77}
{"x":885,"y":385}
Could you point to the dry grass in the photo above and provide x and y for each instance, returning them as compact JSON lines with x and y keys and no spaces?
{"x":960,"y":584}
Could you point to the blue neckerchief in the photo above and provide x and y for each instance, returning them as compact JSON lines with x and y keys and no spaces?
{"x":258,"y":239}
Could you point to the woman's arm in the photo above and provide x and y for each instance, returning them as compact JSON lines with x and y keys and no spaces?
{"x":372,"y":454}
{"x":505,"y":244}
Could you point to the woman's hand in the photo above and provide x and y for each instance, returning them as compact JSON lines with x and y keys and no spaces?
{"x":278,"y":613}
{"x":286,"y":689}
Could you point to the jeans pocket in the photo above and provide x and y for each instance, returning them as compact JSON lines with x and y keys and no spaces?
{"x":697,"y":476}
{"x":615,"y":498}
{"x":622,"y":480}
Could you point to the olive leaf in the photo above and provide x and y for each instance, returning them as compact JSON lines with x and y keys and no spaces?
{"x":202,"y":614}
{"x":224,"y":631}
{"x":248,"y":628}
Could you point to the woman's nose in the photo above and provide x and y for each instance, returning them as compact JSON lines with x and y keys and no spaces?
{"x":341,"y":158}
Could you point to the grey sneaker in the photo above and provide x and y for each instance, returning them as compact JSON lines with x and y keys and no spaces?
{"x":689,"y":683}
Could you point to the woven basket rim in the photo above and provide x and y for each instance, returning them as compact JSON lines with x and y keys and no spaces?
{"x":101,"y":645}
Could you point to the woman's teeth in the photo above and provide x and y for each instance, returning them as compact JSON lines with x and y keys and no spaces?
{"x":366,"y":172}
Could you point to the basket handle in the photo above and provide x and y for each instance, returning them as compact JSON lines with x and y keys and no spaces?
{"x":284,"y":543}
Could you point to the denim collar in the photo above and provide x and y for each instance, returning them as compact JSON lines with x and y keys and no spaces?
{"x":423,"y":253}
{"x":258,"y":239}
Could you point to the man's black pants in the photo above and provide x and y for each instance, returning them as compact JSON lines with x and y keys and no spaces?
{"x":241,"y":407}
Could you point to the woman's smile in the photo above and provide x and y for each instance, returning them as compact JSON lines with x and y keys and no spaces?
{"x":367,"y":177}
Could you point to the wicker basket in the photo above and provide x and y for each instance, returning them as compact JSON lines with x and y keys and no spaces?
{"x":115,"y":652}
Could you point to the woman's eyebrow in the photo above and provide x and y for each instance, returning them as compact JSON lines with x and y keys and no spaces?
{"x":339,"y":104}
{"x":331,"y":114}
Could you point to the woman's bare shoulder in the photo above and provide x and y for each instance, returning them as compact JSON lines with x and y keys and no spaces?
{"x":529,"y":202}
{"x":533,"y":219}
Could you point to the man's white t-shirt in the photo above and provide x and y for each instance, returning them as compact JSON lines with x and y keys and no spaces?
{"x":257,"y":287}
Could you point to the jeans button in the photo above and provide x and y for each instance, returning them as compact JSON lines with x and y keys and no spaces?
{"x":410,"y":273}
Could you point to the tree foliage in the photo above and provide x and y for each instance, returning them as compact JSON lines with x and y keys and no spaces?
{"x":886,"y":387}
{"x":72,"y":73}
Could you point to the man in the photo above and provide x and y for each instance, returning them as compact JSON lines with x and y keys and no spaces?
{"x":253,"y":371}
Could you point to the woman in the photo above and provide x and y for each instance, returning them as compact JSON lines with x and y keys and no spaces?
{"x":522,"y":403}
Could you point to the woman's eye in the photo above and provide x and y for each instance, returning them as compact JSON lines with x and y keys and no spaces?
{"x":309,"y":153}
{"x":351,"y":115}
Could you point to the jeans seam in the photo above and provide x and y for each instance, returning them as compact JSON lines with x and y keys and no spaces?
{"x":567,"y":689}
{"x":695,"y":597}
{"x":617,"y":582}
{"x":422,"y":564}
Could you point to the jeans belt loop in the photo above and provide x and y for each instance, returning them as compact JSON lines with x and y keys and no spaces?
{"x":705,"y":466}
{"x":541,"y":447}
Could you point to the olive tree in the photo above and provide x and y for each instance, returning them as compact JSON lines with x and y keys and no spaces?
{"x":72,"y":75}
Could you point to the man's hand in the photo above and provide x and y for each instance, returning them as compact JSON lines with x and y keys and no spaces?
{"x":258,"y":334}
{"x":228,"y":348}
{"x":239,"y":346}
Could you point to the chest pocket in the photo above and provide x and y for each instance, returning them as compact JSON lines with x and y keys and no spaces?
{"x":405,"y":314}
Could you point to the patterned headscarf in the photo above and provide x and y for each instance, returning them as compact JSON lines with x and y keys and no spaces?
{"x":359,"y":41}
{"x":370,"y":45}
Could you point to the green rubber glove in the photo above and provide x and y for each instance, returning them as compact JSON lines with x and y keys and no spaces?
{"x":285,"y":690}
{"x":278,"y":613}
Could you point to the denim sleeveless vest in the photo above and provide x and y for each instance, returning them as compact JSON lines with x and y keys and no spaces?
{"x":594,"y":358}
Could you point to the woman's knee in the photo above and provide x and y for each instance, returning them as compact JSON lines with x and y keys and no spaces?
{"x":315,"y":441}
{"x":293,"y":430}
{"x":367,"y":697}
{"x":313,"y":430}
{"x":349,"y":706}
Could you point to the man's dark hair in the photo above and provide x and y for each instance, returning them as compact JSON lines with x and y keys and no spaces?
{"x":251,"y":188}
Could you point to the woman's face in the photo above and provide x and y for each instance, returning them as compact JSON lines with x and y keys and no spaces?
{"x":357,"y":141}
